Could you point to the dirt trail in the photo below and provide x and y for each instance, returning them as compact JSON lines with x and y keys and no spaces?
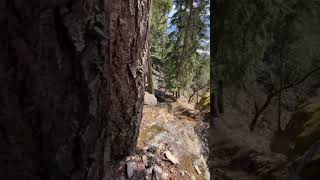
{"x":173,"y":127}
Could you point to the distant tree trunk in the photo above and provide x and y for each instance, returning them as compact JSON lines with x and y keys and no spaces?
{"x":149,"y":75}
{"x":150,"y":78}
{"x":178,"y":93}
{"x":129,"y":28}
{"x":54,"y":90}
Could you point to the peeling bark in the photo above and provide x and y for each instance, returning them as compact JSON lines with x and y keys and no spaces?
{"x":129,"y":27}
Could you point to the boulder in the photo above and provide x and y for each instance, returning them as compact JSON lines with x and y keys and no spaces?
{"x":150,"y":99}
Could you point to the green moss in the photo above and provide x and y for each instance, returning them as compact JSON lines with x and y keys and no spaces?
{"x":204,"y":103}
{"x":304,"y":128}
{"x":309,"y":134}
{"x":187,"y":165}
{"x":150,"y":132}
{"x":311,"y":108}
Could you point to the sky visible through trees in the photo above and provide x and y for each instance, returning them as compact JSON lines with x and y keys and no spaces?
{"x":179,"y":45}
{"x":207,"y":20}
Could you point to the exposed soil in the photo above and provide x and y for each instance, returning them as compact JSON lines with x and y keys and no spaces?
{"x":175,"y":127}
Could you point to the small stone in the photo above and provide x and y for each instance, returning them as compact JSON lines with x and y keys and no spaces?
{"x":171,"y":158}
{"x":171,"y":170}
{"x":145,"y":149}
{"x":198,"y":170}
{"x":144,"y":159}
{"x":130,"y":169}
{"x":158,"y":172}
{"x":153,"y":148}
{"x":182,"y":173}
{"x":149,"y":173}
{"x":165,"y":176}
{"x":161,"y":146}
{"x":150,"y":155}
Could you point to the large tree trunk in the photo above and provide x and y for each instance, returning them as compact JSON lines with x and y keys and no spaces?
{"x":53,"y":89}
{"x":129,"y":27}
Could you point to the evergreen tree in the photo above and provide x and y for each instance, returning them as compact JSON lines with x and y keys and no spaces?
{"x":189,"y":31}
{"x":158,"y":30}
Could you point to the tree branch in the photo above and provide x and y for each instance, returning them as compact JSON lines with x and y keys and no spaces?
{"x":271,"y":96}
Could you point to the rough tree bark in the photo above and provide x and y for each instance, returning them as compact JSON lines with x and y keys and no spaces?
{"x":129,"y":27}
{"x":54,"y":89}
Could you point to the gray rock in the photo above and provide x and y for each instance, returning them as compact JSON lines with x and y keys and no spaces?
{"x":153,"y":148}
{"x":144,"y":159}
{"x":150,"y":155}
{"x":158,"y":172}
{"x":149,"y":173}
{"x":150,"y":99}
{"x":171,"y":158}
{"x":130,"y":169}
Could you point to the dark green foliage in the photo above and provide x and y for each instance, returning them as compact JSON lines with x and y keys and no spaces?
{"x":185,"y":41}
{"x":158,"y":30}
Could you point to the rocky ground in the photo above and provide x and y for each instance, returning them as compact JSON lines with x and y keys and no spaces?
{"x":172,"y":145}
